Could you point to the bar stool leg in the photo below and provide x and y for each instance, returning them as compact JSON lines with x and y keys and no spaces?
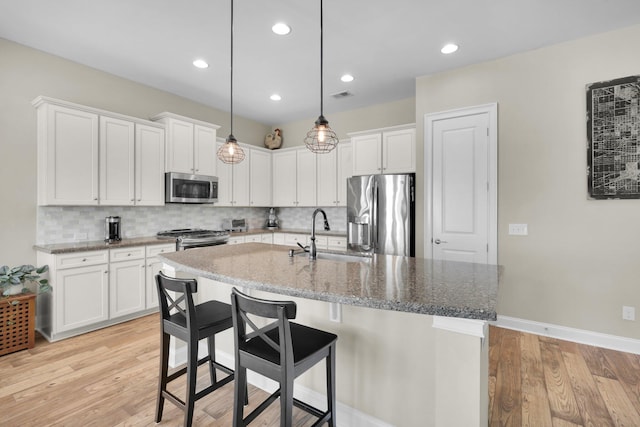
{"x":286,"y":400}
{"x":241,"y":391}
{"x":211,"y":344}
{"x":162,"y":377}
{"x":331,"y":384}
{"x":192,"y":373}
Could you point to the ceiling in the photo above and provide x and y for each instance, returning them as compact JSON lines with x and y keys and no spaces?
{"x":384,"y":44}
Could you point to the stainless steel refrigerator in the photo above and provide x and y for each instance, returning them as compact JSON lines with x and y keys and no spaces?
{"x":381,"y":214}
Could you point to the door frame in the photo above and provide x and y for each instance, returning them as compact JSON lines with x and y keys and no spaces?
{"x":429,"y":119}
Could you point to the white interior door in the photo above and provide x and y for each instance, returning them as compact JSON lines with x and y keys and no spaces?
{"x":463,"y":186}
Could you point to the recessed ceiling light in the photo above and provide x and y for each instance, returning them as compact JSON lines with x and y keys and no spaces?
{"x":347,"y":78}
{"x":449,"y":48}
{"x":275,"y":97}
{"x":281,"y":29}
{"x":200,"y":63}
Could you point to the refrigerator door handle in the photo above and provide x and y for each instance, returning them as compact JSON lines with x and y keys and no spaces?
{"x":374,"y":216}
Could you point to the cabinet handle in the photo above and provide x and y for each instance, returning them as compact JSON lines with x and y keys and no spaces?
{"x":84,"y":259}
{"x":129,"y":254}
{"x":95,"y":198}
{"x":106,"y":272}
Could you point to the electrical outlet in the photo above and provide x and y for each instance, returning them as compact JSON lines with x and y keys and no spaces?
{"x":518,"y":229}
{"x":80,"y":236}
{"x":628,"y":313}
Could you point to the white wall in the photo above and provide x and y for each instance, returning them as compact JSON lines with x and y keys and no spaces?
{"x":26,"y":73}
{"x":579,"y":263}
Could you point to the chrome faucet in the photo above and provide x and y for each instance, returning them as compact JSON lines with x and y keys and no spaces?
{"x":312,"y":246}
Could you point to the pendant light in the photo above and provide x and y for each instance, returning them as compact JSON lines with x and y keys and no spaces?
{"x":230,"y":151}
{"x":321,"y":139}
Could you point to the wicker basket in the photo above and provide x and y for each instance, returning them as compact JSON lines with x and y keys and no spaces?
{"x":17,"y":323}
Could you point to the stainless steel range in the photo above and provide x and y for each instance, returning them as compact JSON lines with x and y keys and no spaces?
{"x":188,"y":238}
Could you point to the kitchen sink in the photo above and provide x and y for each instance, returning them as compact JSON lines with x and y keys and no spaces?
{"x":338,"y":256}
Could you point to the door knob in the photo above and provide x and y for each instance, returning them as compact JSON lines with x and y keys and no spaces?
{"x":438,"y":241}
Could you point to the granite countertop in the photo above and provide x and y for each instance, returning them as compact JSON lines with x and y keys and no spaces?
{"x":98,"y":245}
{"x":415,"y":285}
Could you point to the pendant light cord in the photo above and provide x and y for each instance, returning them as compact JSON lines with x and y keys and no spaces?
{"x":321,"y":63}
{"x":231,"y":132}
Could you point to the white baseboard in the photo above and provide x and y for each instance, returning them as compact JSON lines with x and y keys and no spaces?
{"x":613,"y":342}
{"x":345,"y":415}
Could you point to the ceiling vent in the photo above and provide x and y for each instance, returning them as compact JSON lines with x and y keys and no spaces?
{"x":342,"y":94}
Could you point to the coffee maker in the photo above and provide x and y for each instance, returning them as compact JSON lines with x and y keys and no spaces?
{"x":272,"y":220}
{"x":112,"y":229}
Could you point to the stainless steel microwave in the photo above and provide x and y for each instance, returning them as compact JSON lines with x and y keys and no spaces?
{"x":186,"y":188}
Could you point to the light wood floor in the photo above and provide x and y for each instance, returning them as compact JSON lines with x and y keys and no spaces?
{"x":108,"y":378}
{"x":539,"y":381}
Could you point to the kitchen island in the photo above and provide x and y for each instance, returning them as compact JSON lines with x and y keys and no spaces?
{"x":412,"y":347}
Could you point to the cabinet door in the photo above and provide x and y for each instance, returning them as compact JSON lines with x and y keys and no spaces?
{"x":82,"y":297}
{"x":399,"y":151}
{"x":367,"y":154}
{"x":205,"y":151}
{"x":117,"y":162}
{"x":149,"y":166}
{"x":153,"y":268}
{"x":306,"y":177}
{"x":345,"y":170}
{"x":260,"y":178}
{"x":284,"y":178}
{"x":240,"y":173}
{"x":126,"y":287}
{"x":225,"y":182}
{"x":179,"y":153}
{"x":67,"y":156}
{"x":327,"y":178}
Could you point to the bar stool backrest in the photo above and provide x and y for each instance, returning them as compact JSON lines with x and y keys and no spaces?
{"x":246,"y":329}
{"x":176,"y":302}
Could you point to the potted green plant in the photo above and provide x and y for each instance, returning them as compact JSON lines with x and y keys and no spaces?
{"x":13,"y":281}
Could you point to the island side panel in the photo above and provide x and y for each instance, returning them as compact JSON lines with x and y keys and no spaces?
{"x":385,"y":359}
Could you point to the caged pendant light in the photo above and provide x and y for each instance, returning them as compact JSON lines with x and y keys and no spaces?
{"x":230,"y":151}
{"x":321,"y":139}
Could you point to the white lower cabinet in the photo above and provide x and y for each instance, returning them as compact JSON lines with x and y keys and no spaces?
{"x":94,"y":289}
{"x":154,"y":265}
{"x":126,"y":281}
{"x":81,"y":297}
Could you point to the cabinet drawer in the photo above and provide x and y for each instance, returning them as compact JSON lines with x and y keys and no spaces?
{"x":266,"y":238}
{"x":253,"y":238}
{"x":160,"y":249}
{"x":321,"y":242}
{"x":339,"y":243}
{"x":123,"y":254}
{"x":235,"y":240}
{"x":81,"y":259}
{"x":294,"y":239}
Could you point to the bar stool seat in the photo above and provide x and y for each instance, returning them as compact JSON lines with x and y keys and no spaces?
{"x":190,"y":323}
{"x":281,"y":351}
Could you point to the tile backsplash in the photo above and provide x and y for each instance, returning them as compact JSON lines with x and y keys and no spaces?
{"x":66,"y":224}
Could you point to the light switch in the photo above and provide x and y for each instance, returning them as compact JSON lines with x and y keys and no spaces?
{"x":518,"y":229}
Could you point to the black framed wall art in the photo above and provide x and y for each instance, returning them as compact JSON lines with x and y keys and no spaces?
{"x":613,"y":134}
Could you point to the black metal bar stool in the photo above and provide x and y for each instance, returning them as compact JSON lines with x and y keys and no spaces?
{"x":281,"y":350}
{"x":189,"y":323}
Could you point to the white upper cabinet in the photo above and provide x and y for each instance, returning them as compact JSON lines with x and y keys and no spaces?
{"x":260,"y":178}
{"x":89,"y":157}
{"x":205,"y":154}
{"x":117,"y":162}
{"x":384,"y":151}
{"x":294,"y":177}
{"x":191,"y":144}
{"x":284,"y":178}
{"x":333,"y":170}
{"x":233,"y":180}
{"x":149,"y":166}
{"x":67,"y":155}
